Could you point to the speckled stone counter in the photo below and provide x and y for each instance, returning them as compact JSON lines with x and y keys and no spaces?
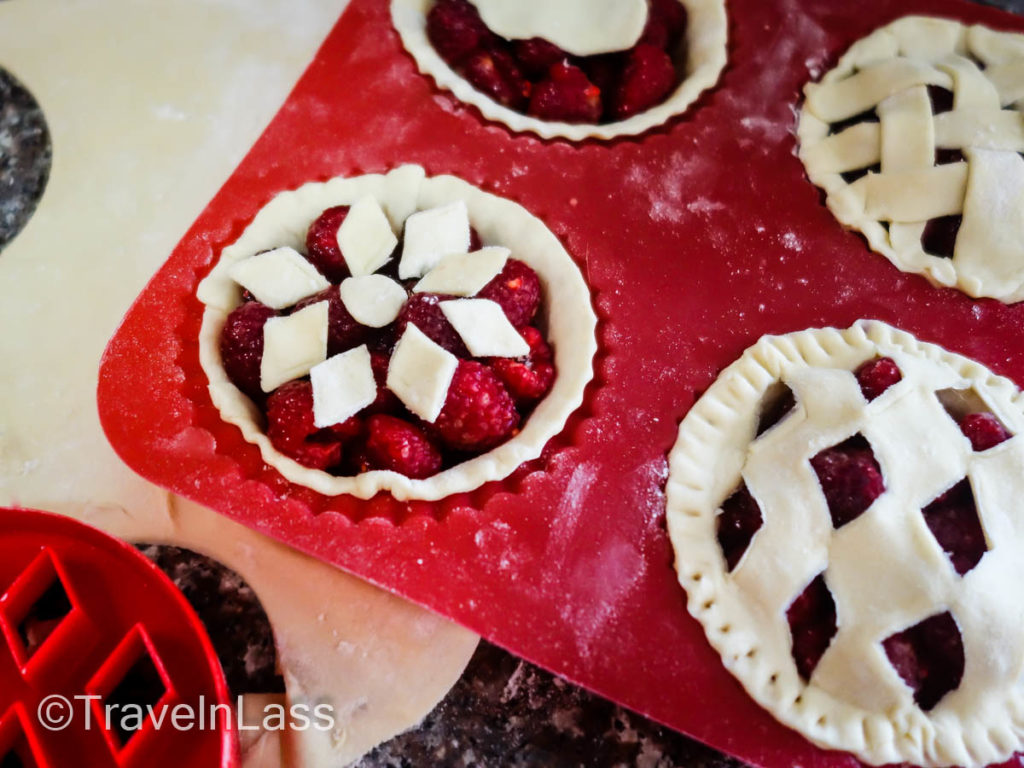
{"x":24,"y":156}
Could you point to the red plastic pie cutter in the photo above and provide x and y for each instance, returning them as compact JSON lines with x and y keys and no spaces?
{"x":85,"y":615}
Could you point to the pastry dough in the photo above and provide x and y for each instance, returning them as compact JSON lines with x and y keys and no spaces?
{"x":569,"y":320}
{"x":609,"y":25}
{"x":705,"y":50}
{"x":182,"y":96}
{"x":885,"y":570}
{"x":890,"y":72}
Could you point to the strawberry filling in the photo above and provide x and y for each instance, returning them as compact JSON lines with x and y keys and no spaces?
{"x":539,"y":78}
{"x":487,"y":399}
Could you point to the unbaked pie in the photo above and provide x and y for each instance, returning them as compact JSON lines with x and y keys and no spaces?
{"x":397,"y":333}
{"x":570,"y":68}
{"x":915,"y":137}
{"x":845,"y":511}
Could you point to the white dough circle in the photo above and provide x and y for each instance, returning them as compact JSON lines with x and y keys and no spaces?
{"x":890,"y":173}
{"x":885,"y":569}
{"x":372,"y":300}
{"x":581,"y":27}
{"x":702,"y":56}
{"x":568,"y":318}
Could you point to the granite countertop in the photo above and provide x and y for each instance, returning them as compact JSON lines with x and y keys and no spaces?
{"x":503,"y":712}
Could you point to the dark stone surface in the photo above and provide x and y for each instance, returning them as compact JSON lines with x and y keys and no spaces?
{"x":25,"y":154}
{"x":231,"y":613}
{"x":506,"y":713}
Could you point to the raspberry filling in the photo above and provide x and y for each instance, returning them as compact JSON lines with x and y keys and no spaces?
{"x":929,"y":657}
{"x":485,"y":401}
{"x":983,"y":430}
{"x":737,"y":523}
{"x":850,"y":479}
{"x":538,"y":78}
{"x":953,"y":520}
{"x":876,"y":376}
{"x":812,"y":625}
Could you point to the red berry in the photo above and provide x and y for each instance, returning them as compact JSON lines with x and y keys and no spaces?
{"x":647,"y":79}
{"x":929,"y":657}
{"x":939,"y":236}
{"x":983,"y":430}
{"x":536,"y":55}
{"x":423,"y":310}
{"x":455,"y":29}
{"x":666,"y":23}
{"x":527,"y":380}
{"x":604,"y":71}
{"x":876,"y":376}
{"x":345,"y":431}
{"x":291,"y":429}
{"x":387,"y":401}
{"x":566,"y":95}
{"x":475,"y":243}
{"x":953,"y":520}
{"x":739,"y":520}
{"x":850,"y":478}
{"x":322,"y":244}
{"x":241,"y":346}
{"x":343,"y":331}
{"x":517,"y":290}
{"x":812,"y":625}
{"x":401,"y":447}
{"x":479,"y":412}
{"x":494,"y":72}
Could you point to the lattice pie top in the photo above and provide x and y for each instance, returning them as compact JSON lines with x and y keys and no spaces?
{"x":915,"y":138}
{"x":845,"y":507}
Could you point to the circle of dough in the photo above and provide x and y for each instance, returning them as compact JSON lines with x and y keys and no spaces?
{"x":889,"y":71}
{"x":706,"y":34}
{"x":569,"y":319}
{"x":856,"y":701}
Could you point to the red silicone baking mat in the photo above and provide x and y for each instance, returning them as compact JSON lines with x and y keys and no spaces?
{"x":695,"y":239}
{"x":117,"y":632}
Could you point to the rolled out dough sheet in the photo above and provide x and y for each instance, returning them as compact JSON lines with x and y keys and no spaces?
{"x":150,"y":107}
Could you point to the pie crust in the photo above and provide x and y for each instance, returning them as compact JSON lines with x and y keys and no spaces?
{"x":889,"y":72}
{"x":884,"y":568}
{"x":568,"y":319}
{"x":705,"y":51}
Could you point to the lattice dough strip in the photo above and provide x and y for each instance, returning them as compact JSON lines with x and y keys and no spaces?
{"x":993,"y":652}
{"x":984,"y":128}
{"x":990,"y":244}
{"x":907,"y":134}
{"x":997,"y":502}
{"x":910,"y":196}
{"x":863,"y":91}
{"x":971,"y":89}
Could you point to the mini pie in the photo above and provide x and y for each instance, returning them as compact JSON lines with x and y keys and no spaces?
{"x":598,"y":43}
{"x":416,"y":352}
{"x":845,"y":510}
{"x":915,"y":137}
